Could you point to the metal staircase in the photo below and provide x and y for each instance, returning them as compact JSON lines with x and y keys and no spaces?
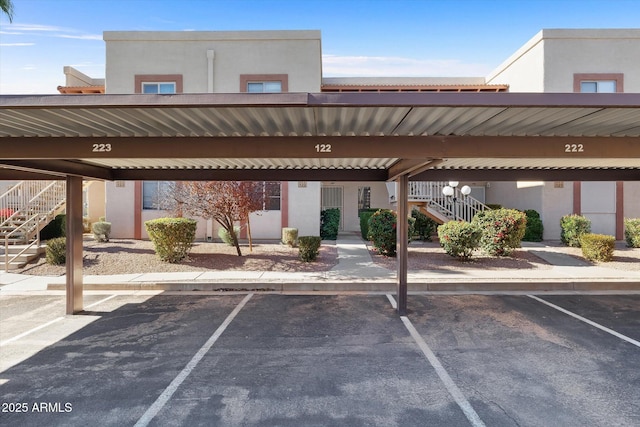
{"x":429,"y":199}
{"x":25,"y":209}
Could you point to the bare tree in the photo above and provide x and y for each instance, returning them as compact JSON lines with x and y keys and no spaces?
{"x":226,"y":202}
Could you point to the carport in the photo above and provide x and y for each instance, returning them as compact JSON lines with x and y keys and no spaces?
{"x":314,"y":137}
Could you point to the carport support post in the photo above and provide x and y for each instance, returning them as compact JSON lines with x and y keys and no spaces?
{"x":74,"y":244}
{"x":402,"y":242}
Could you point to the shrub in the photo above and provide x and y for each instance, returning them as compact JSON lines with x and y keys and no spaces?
{"x":459,"y":238}
{"x":502,"y":230}
{"x":56,"y":228}
{"x":309,"y":247}
{"x":572,"y":227}
{"x":329,"y":224}
{"x":632,"y":232}
{"x":597,"y":247}
{"x":382,"y":231}
{"x":534,"y":230}
{"x":86,"y":224}
{"x":494,"y":206}
{"x":226,"y":237}
{"x":56,"y":251}
{"x":289,"y":236}
{"x":171,"y":237}
{"x":101,"y":231}
{"x":424,"y":226}
{"x":365,"y":215}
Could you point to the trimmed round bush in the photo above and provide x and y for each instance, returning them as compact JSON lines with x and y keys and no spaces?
{"x":56,"y":228}
{"x":56,"y":251}
{"x":365,"y":215}
{"x":309,"y":247}
{"x":459,"y":238}
{"x":226,"y":237}
{"x":502,"y":230}
{"x":572,"y":227}
{"x":382,"y":231}
{"x":597,"y":247}
{"x":329,"y":224}
{"x":632,"y":232}
{"x":101,"y":231}
{"x":289,"y":236}
{"x":172,"y":237}
{"x":534,"y":230}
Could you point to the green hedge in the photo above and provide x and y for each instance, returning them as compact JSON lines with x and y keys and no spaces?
{"x":597,"y":247}
{"x":572,"y":227}
{"x":459,"y":238}
{"x":329,"y":224}
{"x":172,"y":237}
{"x":365,"y":215}
{"x":382,"y":231}
{"x":424,"y":226}
{"x":56,"y":228}
{"x":632,"y":232}
{"x":309,"y":247}
{"x":56,"y":251}
{"x":534,"y":230}
{"x":502,"y":230}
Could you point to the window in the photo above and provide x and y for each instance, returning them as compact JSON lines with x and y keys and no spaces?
{"x":158,"y":83}
{"x":264,"y":87}
{"x":167,"y":87}
{"x":271,"y":193}
{"x":364,"y":198}
{"x":264,"y":83}
{"x":153,"y":194}
{"x":598,"y":83}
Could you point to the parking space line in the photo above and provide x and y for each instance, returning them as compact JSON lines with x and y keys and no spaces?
{"x":164,"y":397}
{"x":451,"y":387}
{"x":30,"y":331}
{"x":101,"y":301}
{"x":590,"y":322}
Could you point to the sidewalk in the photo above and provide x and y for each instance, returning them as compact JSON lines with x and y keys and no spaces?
{"x":357,"y":272}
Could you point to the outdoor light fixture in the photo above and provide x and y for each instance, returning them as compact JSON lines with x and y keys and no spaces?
{"x":449,"y":192}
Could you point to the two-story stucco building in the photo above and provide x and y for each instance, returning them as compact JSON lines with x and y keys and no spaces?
{"x":602,"y":60}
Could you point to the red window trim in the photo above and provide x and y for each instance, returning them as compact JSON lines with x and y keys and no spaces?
{"x":589,"y":77}
{"x":246,"y":78}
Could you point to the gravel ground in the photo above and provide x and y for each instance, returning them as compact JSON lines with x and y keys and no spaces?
{"x":124,"y":256}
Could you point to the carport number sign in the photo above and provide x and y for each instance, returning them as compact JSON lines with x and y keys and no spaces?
{"x":101,"y":148}
{"x":573,"y":148}
{"x":323,"y":148}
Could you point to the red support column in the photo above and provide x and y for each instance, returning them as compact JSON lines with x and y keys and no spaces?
{"x":619,"y":210}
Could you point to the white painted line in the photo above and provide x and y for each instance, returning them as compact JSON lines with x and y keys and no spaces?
{"x":392,"y":301}
{"x":101,"y":301}
{"x":179,"y":379}
{"x":590,"y":322}
{"x":451,"y":387}
{"x":30,"y":331}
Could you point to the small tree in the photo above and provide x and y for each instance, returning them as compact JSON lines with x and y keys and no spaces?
{"x":226,"y":202}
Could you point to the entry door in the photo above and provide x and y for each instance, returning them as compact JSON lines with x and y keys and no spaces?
{"x":332,"y":198}
{"x":599,"y":205}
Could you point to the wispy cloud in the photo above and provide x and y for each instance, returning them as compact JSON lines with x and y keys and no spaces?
{"x":81,"y":37}
{"x":16,"y":44}
{"x":381,"y":66}
{"x":48,"y":31}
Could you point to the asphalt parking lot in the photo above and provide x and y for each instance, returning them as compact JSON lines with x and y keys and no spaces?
{"x":320,"y":360}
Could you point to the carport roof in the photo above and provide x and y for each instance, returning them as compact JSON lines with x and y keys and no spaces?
{"x":323,"y":136}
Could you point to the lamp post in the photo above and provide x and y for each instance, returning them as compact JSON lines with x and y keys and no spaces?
{"x":449,"y":191}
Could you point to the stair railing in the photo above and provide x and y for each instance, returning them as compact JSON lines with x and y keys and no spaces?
{"x":456,"y":207}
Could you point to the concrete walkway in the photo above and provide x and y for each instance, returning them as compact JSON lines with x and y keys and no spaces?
{"x":356,"y":271}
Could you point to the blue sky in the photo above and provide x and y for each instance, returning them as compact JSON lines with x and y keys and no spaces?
{"x":359,"y":37}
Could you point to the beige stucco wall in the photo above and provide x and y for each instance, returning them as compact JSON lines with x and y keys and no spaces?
{"x":119,"y":209}
{"x":379,"y":199}
{"x":304,"y":207}
{"x":632,"y":199}
{"x":548,"y":61}
{"x":296,"y":53}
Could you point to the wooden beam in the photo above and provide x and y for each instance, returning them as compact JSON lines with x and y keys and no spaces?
{"x":405,"y":147}
{"x":59,"y":167}
{"x":529,"y":175}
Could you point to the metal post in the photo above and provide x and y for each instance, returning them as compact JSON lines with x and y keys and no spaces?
{"x":74,"y":245}
{"x":402,"y":239}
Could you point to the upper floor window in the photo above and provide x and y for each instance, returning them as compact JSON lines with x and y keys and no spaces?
{"x":264,"y":87}
{"x":264,"y":83}
{"x":158,"y":83}
{"x":598,"y":83}
{"x":166,"y":87}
